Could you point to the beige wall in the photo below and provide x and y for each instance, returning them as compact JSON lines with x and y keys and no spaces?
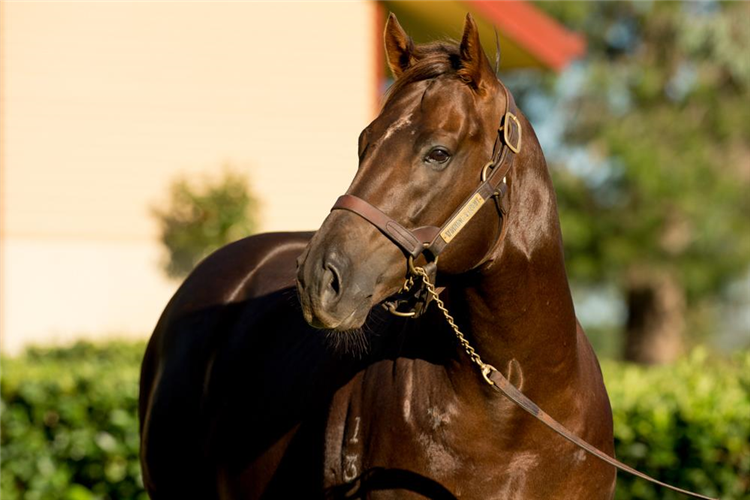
{"x":104,"y":103}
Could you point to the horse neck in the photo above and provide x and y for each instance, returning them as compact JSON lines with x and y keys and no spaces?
{"x":518,"y":307}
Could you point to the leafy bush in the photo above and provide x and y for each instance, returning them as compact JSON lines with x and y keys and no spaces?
{"x":70,"y":425}
{"x":70,"y":429}
{"x":201,"y":217}
{"x":686,"y":424}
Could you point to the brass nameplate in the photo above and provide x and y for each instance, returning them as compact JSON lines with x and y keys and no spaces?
{"x":458,"y":222}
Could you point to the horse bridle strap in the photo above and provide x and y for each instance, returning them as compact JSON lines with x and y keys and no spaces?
{"x":411,"y":242}
{"x":434,"y":239}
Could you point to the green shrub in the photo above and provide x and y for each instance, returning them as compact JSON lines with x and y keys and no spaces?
{"x":686,"y":424}
{"x":202,"y":215}
{"x":70,"y":424}
{"x":70,"y":427}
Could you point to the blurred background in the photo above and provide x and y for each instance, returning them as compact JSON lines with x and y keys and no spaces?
{"x":138,"y":136}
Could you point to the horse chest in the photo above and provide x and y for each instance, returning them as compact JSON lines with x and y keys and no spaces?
{"x":399,"y":427}
{"x":397,"y":421}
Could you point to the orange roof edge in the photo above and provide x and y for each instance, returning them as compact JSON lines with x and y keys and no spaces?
{"x":544,"y":38}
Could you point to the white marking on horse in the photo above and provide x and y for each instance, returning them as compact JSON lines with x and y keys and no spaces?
{"x":398,"y":124}
{"x":440,"y":459}
{"x":350,"y":467}
{"x":522,"y":462}
{"x":354,"y":439}
{"x":518,"y":474}
{"x":407,"y":410}
{"x":437,"y":418}
{"x":408,"y":382}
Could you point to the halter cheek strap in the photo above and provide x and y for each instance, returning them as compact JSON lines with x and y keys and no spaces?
{"x":433,"y":239}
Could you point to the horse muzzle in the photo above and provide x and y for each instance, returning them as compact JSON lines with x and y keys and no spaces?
{"x":343,"y":273}
{"x":329,"y":301}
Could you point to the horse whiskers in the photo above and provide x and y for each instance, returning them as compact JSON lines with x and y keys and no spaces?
{"x":291,"y":295}
{"x":348,"y":342}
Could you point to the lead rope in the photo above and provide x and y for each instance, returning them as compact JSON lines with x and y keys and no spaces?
{"x":496,"y":379}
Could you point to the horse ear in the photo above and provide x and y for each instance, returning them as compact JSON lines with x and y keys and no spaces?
{"x":399,"y":48}
{"x":475,"y":67}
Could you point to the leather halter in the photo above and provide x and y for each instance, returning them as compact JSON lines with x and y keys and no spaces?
{"x":432,"y":239}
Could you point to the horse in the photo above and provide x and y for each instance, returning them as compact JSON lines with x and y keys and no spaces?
{"x":274,"y":372}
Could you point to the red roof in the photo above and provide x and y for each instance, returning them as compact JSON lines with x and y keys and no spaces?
{"x":542,"y":36}
{"x":528,"y":36}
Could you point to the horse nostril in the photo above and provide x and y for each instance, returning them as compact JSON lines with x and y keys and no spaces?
{"x":331,"y":280}
{"x":335,"y":283}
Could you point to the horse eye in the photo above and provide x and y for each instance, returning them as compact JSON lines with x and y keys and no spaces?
{"x":437,"y":155}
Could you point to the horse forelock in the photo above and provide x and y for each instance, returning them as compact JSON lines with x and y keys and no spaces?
{"x":432,"y":61}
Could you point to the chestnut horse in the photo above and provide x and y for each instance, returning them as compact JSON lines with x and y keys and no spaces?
{"x":243,"y":396}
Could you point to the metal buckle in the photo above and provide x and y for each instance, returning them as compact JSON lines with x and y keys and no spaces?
{"x":413,"y":269}
{"x":391,"y":308}
{"x":506,"y":132}
{"x":486,"y":171}
{"x":486,"y":175}
{"x":487,"y":370}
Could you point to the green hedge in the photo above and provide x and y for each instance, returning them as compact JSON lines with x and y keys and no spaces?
{"x":70,"y":431}
{"x":687,"y":425}
{"x":70,"y":425}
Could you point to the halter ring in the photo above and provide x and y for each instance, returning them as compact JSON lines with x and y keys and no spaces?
{"x":413,"y":268}
{"x":391,"y":308}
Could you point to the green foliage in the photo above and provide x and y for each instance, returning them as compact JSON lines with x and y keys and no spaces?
{"x":70,"y":428}
{"x":70,"y":425}
{"x":201,"y":218}
{"x":685,"y":424}
{"x":659,"y":109}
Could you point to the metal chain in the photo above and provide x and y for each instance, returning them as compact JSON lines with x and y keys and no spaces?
{"x":486,"y":368}
{"x":407,"y":284}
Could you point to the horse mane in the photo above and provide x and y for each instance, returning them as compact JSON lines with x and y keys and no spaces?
{"x":433,"y":59}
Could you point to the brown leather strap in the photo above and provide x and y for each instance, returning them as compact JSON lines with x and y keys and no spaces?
{"x":411,"y":242}
{"x":503,"y":385}
{"x":434,"y":239}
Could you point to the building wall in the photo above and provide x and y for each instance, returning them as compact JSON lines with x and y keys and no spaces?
{"x":104,"y":103}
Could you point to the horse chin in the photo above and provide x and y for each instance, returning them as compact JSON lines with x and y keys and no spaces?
{"x":342,"y":321}
{"x":353,"y":321}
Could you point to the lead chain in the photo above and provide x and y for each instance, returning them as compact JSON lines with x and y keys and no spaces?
{"x":461,"y":339}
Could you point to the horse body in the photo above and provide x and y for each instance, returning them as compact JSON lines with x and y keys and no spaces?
{"x":242,"y":398}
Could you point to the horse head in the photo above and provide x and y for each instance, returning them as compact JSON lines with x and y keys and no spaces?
{"x":419,"y":160}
